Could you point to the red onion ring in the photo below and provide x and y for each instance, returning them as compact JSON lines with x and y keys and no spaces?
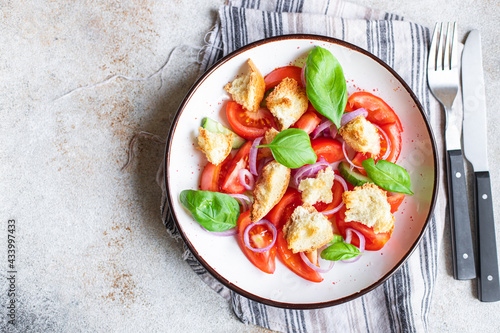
{"x":388,"y":151}
{"x":348,"y":159}
{"x":243,"y":199}
{"x":262,"y":163}
{"x":309,"y":170}
{"x":313,"y":266}
{"x":230,"y":232}
{"x":321,"y":127}
{"x":246,"y":235}
{"x":348,"y":116}
{"x":252,"y":156}
{"x":336,"y":209}
{"x":244,"y":174}
{"x":362,"y":242}
{"x":303,"y":75}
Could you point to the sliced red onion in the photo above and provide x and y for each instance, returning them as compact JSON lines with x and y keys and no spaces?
{"x":244,"y":175}
{"x":230,"y":232}
{"x":252,"y":156}
{"x":309,"y":170}
{"x":243,"y":199}
{"x":262,"y":163}
{"x":362,"y":242}
{"x":246,"y":235}
{"x":336,"y":209}
{"x":303,"y":75}
{"x":348,"y":116}
{"x":321,"y":127}
{"x":314,"y":267}
{"x":348,"y":159}
{"x":388,"y":151}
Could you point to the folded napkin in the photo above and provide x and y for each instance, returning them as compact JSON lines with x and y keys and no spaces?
{"x":402,"y":303}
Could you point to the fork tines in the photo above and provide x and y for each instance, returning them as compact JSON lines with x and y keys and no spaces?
{"x":444,"y":46}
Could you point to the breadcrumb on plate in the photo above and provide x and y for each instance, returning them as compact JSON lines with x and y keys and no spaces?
{"x":216,"y":146}
{"x":361,"y":135}
{"x":287,"y":102}
{"x":248,"y":90}
{"x":318,"y":188}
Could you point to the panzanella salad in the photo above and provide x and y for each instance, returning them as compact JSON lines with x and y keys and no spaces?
{"x":304,"y":171}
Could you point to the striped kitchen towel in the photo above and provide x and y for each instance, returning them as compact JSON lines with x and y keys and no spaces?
{"x":402,"y":303}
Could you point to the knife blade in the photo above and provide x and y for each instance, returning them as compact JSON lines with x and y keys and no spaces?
{"x":475,"y":149}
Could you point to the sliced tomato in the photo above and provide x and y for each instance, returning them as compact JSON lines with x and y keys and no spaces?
{"x":328,"y":148}
{"x":260,"y":237}
{"x":395,"y":200}
{"x":231,"y":182}
{"x":379,"y":112}
{"x":374,"y":241}
{"x":308,"y":121}
{"x":276,"y":76}
{"x":337,"y":190}
{"x":294,"y":262}
{"x":280,"y":213}
{"x":213,"y":175}
{"x":247,"y":124}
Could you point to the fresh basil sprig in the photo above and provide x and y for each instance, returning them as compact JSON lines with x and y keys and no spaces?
{"x":325,"y":84}
{"x":292,"y":148}
{"x":213,"y":210}
{"x":387,"y":175}
{"x":340,"y":251}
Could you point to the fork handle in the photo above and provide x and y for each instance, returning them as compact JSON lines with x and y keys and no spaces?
{"x":488,"y":281}
{"x":461,"y":239}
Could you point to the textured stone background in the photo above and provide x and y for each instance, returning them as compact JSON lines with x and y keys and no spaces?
{"x":92,"y":253}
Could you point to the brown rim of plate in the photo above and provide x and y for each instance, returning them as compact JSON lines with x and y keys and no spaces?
{"x":212,"y":271}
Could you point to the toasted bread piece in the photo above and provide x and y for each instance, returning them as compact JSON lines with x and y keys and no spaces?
{"x":368,"y":204}
{"x":307,"y":230}
{"x":248,"y":90}
{"x":318,"y":188}
{"x":361,"y":135}
{"x":287,"y":102}
{"x":216,"y":146}
{"x":268,"y":138}
{"x":269,"y":189}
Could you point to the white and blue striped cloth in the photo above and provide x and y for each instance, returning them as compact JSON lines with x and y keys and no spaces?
{"x":402,"y":303}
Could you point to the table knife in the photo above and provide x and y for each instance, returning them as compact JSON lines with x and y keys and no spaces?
{"x":475,"y":149}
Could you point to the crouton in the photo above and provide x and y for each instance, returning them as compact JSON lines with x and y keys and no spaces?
{"x":318,"y":188}
{"x":269,"y":189}
{"x":307,"y":230}
{"x":268,"y":138}
{"x":361,"y":135}
{"x":287,"y":102}
{"x":368,"y":204}
{"x":248,"y":90}
{"x":216,"y":146}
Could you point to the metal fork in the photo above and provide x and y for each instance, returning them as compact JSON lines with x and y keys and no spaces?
{"x":443,"y":79}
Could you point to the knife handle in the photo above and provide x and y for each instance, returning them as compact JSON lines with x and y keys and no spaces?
{"x":461,"y":238}
{"x":488,"y":281}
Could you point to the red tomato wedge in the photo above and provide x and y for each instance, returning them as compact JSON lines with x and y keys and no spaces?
{"x":231,"y":183}
{"x":378,"y":111}
{"x":395,"y":200}
{"x":213,"y":175}
{"x":280,"y":213}
{"x":328,"y":148}
{"x":374,"y":242}
{"x":247,"y":124}
{"x":308,"y":121}
{"x":260,"y":237}
{"x":276,"y":76}
{"x":294,"y":262}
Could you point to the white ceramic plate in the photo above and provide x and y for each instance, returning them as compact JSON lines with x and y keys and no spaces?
{"x":221,"y":256}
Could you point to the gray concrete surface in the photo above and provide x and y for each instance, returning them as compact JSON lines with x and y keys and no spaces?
{"x":91,"y":251}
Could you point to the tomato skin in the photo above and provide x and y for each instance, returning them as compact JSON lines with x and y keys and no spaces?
{"x":328,"y":148}
{"x":374,"y":242}
{"x":379,"y":112}
{"x":280,"y":213}
{"x":276,"y":76}
{"x":247,"y":124}
{"x":294,"y":262}
{"x":213,"y":175}
{"x":231,"y":183}
{"x":395,"y":200}
{"x":308,"y":121}
{"x":264,"y":261}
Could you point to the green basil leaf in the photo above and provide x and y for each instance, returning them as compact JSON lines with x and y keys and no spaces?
{"x":213,"y":210}
{"x":387,"y":175}
{"x":340,"y":251}
{"x":292,"y":148}
{"x":325,"y":84}
{"x":336,"y":238}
